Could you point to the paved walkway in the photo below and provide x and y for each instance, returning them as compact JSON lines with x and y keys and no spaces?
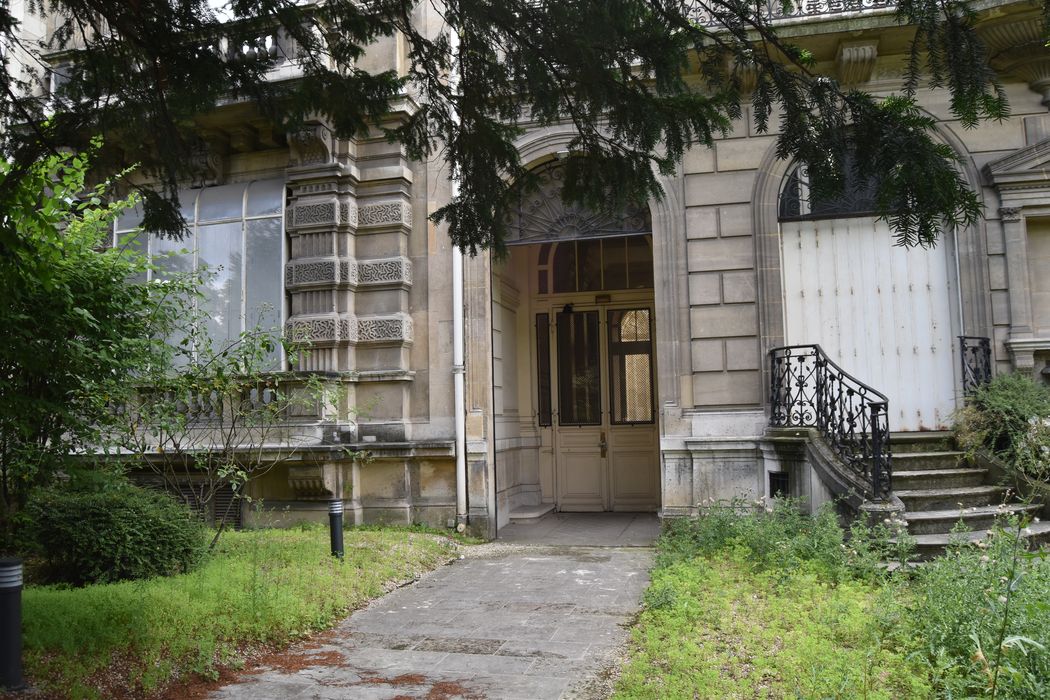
{"x":509,"y":621}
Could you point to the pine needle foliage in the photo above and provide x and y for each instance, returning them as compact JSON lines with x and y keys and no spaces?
{"x":621,"y":72}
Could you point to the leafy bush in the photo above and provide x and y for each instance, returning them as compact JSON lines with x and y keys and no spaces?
{"x":979,"y":618}
{"x":113,"y":532}
{"x":1010,"y":417}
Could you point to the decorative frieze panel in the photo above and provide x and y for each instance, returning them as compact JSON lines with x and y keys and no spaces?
{"x":385,"y":329}
{"x":310,"y":272}
{"x":393,"y":213}
{"x":313,"y":214}
{"x":389,"y":271}
{"x":396,"y":328}
{"x":348,"y":214}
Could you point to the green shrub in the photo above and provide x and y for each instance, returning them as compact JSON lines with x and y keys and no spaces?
{"x":979,"y":618}
{"x":112,"y":532}
{"x":1009,"y":417}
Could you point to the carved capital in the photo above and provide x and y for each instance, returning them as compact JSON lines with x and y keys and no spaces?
{"x":1010,"y":214}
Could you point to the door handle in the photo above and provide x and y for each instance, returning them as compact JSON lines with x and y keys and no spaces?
{"x":603,"y":445}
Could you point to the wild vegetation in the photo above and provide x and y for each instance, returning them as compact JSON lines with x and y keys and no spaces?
{"x":258,"y":589}
{"x":1010,"y":418}
{"x":749,"y":602}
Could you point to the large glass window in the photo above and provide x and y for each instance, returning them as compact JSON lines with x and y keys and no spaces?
{"x":235,"y":233}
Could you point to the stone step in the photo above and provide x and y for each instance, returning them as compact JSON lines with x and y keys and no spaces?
{"x":933,"y":522}
{"x":929,"y":546}
{"x":948,"y":498}
{"x":914,"y":479}
{"x":934,"y":441}
{"x":907,"y":461}
{"x":531,"y":513}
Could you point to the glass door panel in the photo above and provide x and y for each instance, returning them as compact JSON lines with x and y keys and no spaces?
{"x":630,"y":366}
{"x":579,"y":373}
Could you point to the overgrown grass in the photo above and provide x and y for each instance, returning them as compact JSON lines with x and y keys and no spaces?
{"x":755,"y":602}
{"x":746,"y":603}
{"x":262,"y":587}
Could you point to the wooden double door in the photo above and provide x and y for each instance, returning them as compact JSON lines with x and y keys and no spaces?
{"x":599,"y":387}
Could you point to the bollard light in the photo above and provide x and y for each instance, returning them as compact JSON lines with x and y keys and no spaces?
{"x":11,"y":624}
{"x":335,"y":526}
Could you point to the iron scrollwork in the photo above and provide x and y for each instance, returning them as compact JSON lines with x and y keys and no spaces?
{"x":807,"y":389}
{"x":975,"y":353}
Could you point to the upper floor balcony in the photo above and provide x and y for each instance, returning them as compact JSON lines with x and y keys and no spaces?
{"x":707,"y":15}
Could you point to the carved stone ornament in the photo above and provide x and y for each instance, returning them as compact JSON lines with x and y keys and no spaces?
{"x":542,"y":215}
{"x":311,"y":272}
{"x":211,"y":159}
{"x":311,"y":145}
{"x":348,"y":214}
{"x":392,"y":213}
{"x":386,"y":271}
{"x":385,"y":329}
{"x":313,"y":481}
{"x":855,"y":61}
{"x":314,"y":214}
{"x":1010,"y":213}
{"x":1017,"y":45}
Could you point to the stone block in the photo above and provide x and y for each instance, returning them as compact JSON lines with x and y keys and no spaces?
{"x":701,"y":222}
{"x":721,"y":254}
{"x":707,"y":356}
{"x":699,"y":159}
{"x":735,"y":220}
{"x":742,"y":353}
{"x":738,"y":287}
{"x":383,"y":480}
{"x":727,"y":388}
{"x":719,"y":188}
{"x":994,"y":234}
{"x":997,"y":272}
{"x":1000,"y":308}
{"x":731,"y":321}
{"x":991,"y":135}
{"x":742,"y":154}
{"x":704,"y":288}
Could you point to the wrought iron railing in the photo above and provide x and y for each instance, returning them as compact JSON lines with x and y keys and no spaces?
{"x":807,"y":389}
{"x":975,"y":354}
{"x":706,"y":13}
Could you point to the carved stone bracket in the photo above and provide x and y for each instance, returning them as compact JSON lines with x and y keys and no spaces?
{"x":1016,"y":45}
{"x":314,"y":144}
{"x":314,"y":481}
{"x":855,"y":61}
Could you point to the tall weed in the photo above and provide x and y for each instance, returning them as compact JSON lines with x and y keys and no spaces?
{"x":979,"y":617}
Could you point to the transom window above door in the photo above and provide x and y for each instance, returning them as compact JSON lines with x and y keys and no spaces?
{"x":605,"y":264}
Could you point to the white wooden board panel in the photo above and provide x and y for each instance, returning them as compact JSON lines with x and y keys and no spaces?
{"x":880,"y":311}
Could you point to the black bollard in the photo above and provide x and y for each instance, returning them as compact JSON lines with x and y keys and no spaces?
{"x":335,"y":526}
{"x":11,"y":624}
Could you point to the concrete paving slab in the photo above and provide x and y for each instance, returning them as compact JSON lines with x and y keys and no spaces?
{"x":510,"y":621}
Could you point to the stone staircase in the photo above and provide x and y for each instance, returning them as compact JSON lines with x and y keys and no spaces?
{"x":939,"y":487}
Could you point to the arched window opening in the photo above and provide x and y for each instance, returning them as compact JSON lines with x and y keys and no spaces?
{"x":799,"y":203}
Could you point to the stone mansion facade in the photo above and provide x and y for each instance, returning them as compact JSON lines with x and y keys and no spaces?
{"x":618,"y":361}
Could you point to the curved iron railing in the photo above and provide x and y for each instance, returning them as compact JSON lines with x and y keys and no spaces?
{"x":807,"y":389}
{"x":975,"y":353}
